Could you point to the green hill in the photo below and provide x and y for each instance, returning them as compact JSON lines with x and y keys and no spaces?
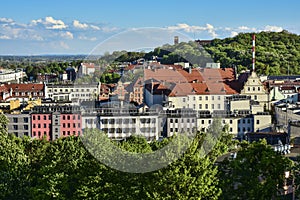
{"x":276,"y":53}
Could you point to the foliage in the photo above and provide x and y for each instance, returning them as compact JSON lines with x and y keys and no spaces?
{"x":276,"y":53}
{"x":65,"y":169}
{"x":256,"y":173}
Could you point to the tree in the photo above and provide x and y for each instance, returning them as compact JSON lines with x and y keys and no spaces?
{"x":256,"y":173}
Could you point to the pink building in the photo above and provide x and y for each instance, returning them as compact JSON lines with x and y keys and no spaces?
{"x":70,"y":124}
{"x":41,"y":125}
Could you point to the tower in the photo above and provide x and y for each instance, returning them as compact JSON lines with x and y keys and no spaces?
{"x":176,"y":39}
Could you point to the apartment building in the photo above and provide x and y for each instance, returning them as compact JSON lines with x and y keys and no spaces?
{"x":19,"y":124}
{"x":72,"y":92}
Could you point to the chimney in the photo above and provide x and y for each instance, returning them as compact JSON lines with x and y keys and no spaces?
{"x":253,"y":52}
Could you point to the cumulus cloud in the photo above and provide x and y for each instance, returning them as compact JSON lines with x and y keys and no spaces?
{"x":190,"y":29}
{"x":273,"y":28}
{"x":6,"y":20}
{"x":67,"y":35}
{"x":233,"y":33}
{"x":79,"y":25}
{"x":50,"y":23}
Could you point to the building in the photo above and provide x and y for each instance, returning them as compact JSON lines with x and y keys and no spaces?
{"x":253,"y":87}
{"x":19,"y":124}
{"x":72,"y":92}
{"x":122,"y":122}
{"x":11,"y":75}
{"x":21,"y":91}
{"x":86,"y":69}
{"x":55,"y":121}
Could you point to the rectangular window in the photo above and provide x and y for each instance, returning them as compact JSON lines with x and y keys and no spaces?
{"x":206,"y":106}
{"x":230,"y":121}
{"x":212,"y":97}
{"x":212,"y":106}
{"x":257,"y":121}
{"x":219,"y":97}
{"x":15,"y":120}
{"x":45,"y":117}
{"x":26,"y":119}
{"x":200,"y":106}
{"x":200,"y":98}
{"x":39,"y":117}
{"x":206,"y":98}
{"x":15,"y":127}
{"x":78,"y":125}
{"x":219,"y":106}
{"x":25,"y":127}
{"x":183,"y":99}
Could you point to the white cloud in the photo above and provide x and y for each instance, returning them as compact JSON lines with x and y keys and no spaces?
{"x":273,"y":28}
{"x":4,"y":37}
{"x":50,"y":23}
{"x":95,"y":27}
{"x":87,"y":38}
{"x":67,"y":35}
{"x":79,"y":25}
{"x":245,"y":28}
{"x":6,"y":20}
{"x":190,"y":29}
{"x":233,"y":33}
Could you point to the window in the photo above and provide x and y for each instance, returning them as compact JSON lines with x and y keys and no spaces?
{"x":78,"y":117}
{"x":219,"y":97}
{"x":33,"y":125}
{"x":253,"y":88}
{"x":45,"y":125}
{"x":73,"y":117}
{"x":209,"y":121}
{"x":25,"y":119}
{"x":74,"y":125}
{"x":171,"y":120}
{"x":171,"y":129}
{"x":64,"y":132}
{"x":255,"y":97}
{"x":176,"y":120}
{"x":248,"y":129}
{"x":219,"y":106}
{"x":202,"y":121}
{"x":68,"y":117}
{"x":25,"y":127}
{"x":33,"y":117}
{"x":200,"y":106}
{"x":200,"y":98}
{"x":257,"y":121}
{"x":212,"y":97}
{"x":258,"y":88}
{"x":206,"y":98}
{"x":194,"y":98}
{"x":45,"y":117}
{"x":39,"y":117}
{"x":206,"y":106}
{"x":244,"y":121}
{"x":230,"y":129}
{"x":239,"y":129}
{"x":188,"y":120}
{"x":64,"y":125}
{"x":248,"y":121}
{"x":194,"y":106}
{"x":183,"y":99}
{"x":56,"y":129}
{"x":69,"y":125}
{"x":239,"y":121}
{"x":39,"y":125}
{"x":244,"y":129}
{"x":212,"y":106}
{"x":15,"y":127}
{"x":15,"y":120}
{"x":64,"y":117}
{"x":78,"y":125}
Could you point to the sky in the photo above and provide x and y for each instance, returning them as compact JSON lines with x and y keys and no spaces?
{"x":34,"y":27}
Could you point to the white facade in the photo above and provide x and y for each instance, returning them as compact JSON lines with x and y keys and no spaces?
{"x":78,"y":92}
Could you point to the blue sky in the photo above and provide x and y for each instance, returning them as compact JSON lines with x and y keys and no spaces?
{"x":75,"y":27}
